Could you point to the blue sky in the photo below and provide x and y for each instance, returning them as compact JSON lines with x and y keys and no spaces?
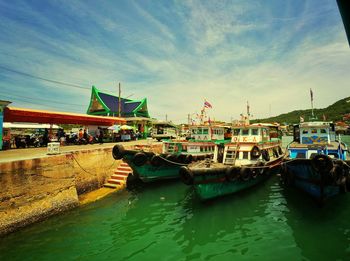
{"x":176,"y":54}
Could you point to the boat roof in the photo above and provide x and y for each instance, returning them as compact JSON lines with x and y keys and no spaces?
{"x":165,"y":123}
{"x":320,"y":124}
{"x":254,"y":125}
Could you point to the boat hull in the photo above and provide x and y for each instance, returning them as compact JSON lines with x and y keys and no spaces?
{"x":219,"y":182}
{"x":149,"y":173}
{"x":319,"y":182}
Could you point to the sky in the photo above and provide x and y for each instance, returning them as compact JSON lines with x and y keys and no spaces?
{"x":176,"y":54}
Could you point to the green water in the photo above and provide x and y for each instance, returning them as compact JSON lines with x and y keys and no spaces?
{"x":166,"y":221}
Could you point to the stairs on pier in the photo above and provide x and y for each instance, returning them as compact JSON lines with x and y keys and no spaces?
{"x":118,"y":179}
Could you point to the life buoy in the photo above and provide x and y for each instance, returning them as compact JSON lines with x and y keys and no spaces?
{"x":156,"y":161}
{"x":139,"y":159}
{"x":118,"y":152}
{"x":255,"y":153}
{"x":245,"y":173}
{"x":265,"y":155}
{"x":232,"y":174}
{"x":186,"y":176}
{"x":322,"y":163}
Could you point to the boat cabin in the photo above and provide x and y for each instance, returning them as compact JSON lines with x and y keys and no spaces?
{"x":318,"y":137}
{"x":251,"y":143}
{"x":206,"y":132}
{"x":164,"y":130}
{"x":256,"y":133}
{"x":314,"y":132}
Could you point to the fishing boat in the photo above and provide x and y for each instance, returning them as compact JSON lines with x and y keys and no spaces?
{"x":253,"y":155}
{"x":150,"y":166}
{"x":317,"y":162}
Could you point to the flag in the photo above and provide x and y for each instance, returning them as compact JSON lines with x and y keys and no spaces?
{"x":301,"y":119}
{"x":209,"y":120}
{"x":207,"y":104}
{"x":312,"y":95}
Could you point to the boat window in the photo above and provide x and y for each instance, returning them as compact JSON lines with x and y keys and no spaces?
{"x":333,"y":155}
{"x":323,"y":130}
{"x":301,"y":155}
{"x":245,"y":154}
{"x":255,"y":131}
{"x":313,"y":130}
{"x":245,"y":132}
{"x":205,"y":131}
{"x":236,"y":132}
{"x":194,"y":131}
{"x":305,"y":131}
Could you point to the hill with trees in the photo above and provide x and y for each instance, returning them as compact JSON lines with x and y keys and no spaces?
{"x":334,"y":112}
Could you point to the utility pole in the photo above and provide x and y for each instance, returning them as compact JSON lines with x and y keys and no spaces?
{"x":166,"y":117}
{"x":119,"y":102}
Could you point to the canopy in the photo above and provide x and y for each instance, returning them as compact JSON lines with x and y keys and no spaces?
{"x":126,"y":127}
{"x":114,"y":128}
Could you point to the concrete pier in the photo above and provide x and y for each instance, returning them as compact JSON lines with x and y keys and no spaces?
{"x":35,"y":185}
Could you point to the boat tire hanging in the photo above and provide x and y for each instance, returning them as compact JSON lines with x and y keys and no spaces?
{"x":255,"y":152}
{"x":245,"y":173}
{"x":189,"y":159}
{"x":232,"y":174}
{"x":322,"y":163}
{"x":280,"y":151}
{"x":139,"y":159}
{"x":186,"y":176}
{"x":156,"y":161}
{"x":265,"y":155}
{"x":118,"y":152}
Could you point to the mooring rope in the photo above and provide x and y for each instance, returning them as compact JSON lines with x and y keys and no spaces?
{"x":172,"y":162}
{"x":85,"y":169}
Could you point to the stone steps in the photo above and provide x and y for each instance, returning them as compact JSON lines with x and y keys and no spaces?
{"x":118,"y":179}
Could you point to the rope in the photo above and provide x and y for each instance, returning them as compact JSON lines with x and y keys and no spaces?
{"x":86,"y":170}
{"x":172,"y":162}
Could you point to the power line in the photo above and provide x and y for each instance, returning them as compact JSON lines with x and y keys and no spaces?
{"x":31,"y":98}
{"x":44,"y":79}
{"x":50,"y":80}
{"x":25,"y":100}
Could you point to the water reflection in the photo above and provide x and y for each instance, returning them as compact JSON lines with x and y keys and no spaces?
{"x":167,"y":221}
{"x":322,"y":233}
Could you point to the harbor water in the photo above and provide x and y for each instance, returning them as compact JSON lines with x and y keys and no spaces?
{"x":166,"y":221}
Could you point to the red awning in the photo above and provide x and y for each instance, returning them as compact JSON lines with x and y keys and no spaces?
{"x":12,"y":114}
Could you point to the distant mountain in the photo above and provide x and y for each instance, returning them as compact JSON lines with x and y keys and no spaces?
{"x":333,"y":112}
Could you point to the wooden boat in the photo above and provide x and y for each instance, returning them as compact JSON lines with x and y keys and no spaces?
{"x":253,"y":154}
{"x":150,"y":166}
{"x":317,"y":162}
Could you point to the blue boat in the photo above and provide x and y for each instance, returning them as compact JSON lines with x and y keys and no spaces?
{"x":317,"y":161}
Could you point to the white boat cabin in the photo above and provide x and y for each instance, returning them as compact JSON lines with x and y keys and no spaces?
{"x":249,"y":144}
{"x":206,"y":132}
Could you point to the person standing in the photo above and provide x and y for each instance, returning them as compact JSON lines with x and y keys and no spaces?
{"x":100,"y":137}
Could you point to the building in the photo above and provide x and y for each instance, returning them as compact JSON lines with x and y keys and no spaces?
{"x":135,"y":112}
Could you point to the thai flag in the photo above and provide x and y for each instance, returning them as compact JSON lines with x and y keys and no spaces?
{"x":207,"y":104}
{"x":312,"y":95}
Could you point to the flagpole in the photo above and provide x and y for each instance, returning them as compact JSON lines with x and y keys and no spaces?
{"x":312,"y":107}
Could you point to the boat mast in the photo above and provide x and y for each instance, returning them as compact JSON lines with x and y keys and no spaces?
{"x":312,"y":104}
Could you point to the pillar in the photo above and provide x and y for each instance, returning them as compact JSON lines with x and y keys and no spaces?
{"x":3,"y":105}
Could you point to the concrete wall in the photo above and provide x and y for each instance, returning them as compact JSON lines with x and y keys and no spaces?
{"x":32,"y":190}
